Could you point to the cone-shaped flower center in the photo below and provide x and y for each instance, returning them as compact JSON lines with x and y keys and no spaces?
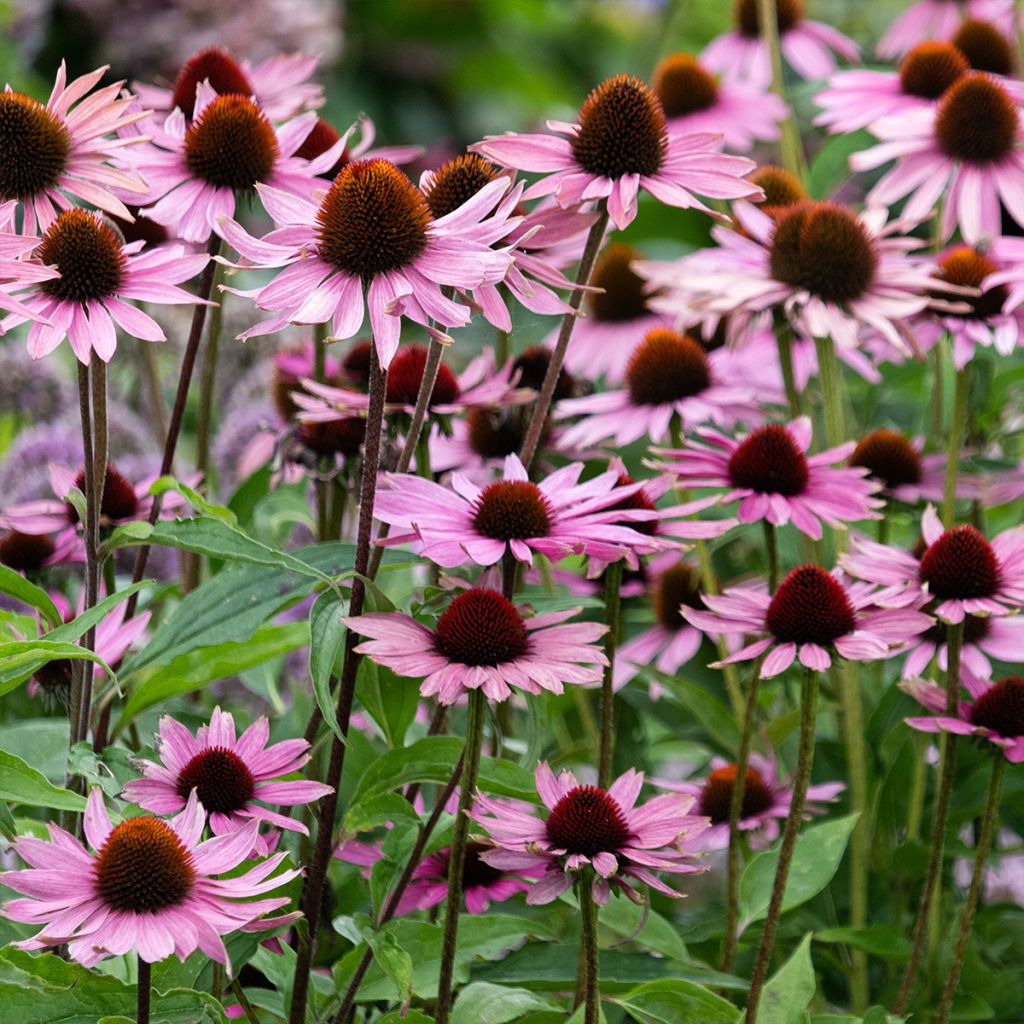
{"x":216,"y":66}
{"x":532,"y":364}
{"x":55,"y":680}
{"x":318,"y":141}
{"x":143,"y":867}
{"x":621,"y":130}
{"x":481,"y":627}
{"x":587,"y":821}
{"x":716,"y":794}
{"x":683,"y":86}
{"x":769,"y":462}
{"x":930,"y":68}
{"x":623,"y":297}
{"x":119,"y":498}
{"x":1001,"y":708}
{"x":34,"y":147}
{"x":493,"y":434}
{"x":977,"y":121}
{"x":824,"y":249}
{"x":810,"y":607}
{"x":888,"y":456}
{"x":748,"y":20}
{"x":960,"y":565}
{"x":666,"y":367}
{"x":985,"y":47}
{"x":88,"y":255}
{"x":458,"y":181}
{"x":637,"y":500}
{"x":781,"y":187}
{"x":373,"y":220}
{"x":343,"y":436}
{"x":474,"y":870}
{"x":221,"y":779}
{"x":25,"y":552}
{"x":231,"y":144}
{"x":967,"y":267}
{"x":512,"y":510}
{"x":677,"y":586}
{"x":406,"y":374}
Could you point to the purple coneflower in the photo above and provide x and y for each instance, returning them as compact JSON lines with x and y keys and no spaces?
{"x":939,"y":19}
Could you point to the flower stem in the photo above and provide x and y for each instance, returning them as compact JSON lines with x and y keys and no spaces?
{"x":317,"y":872}
{"x":988,"y":825}
{"x":613,"y":617}
{"x":801,"y":780}
{"x":243,"y":1001}
{"x":457,"y":857}
{"x":423,"y":456}
{"x":735,"y":815}
{"x":588,"y":940}
{"x":947,"y":771}
{"x":784,"y":342}
{"x":831,"y":392}
{"x":789,"y":145}
{"x":322,"y":486}
{"x":143,"y":987}
{"x":957,"y":433}
{"x":208,"y":381}
{"x":772,"y":550}
{"x":547,"y":390}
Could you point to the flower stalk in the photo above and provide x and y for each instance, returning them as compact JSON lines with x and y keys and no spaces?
{"x":588,"y":942}
{"x":613,"y":617}
{"x":143,"y":986}
{"x":957,"y":434}
{"x":789,"y":145}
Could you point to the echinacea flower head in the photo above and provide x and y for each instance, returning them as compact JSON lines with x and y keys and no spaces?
{"x":233,"y":776}
{"x":903,"y":470}
{"x":766,"y":799}
{"x":696,"y":100}
{"x":619,"y":144}
{"x":556,"y":517}
{"x":98,"y":273}
{"x":986,"y":46}
{"x":939,"y":19}
{"x":993,"y":712}
{"x":371,"y":232}
{"x":809,"y":47}
{"x":999,"y":637}
{"x":773,"y":478}
{"x":968,"y":151}
{"x":147,"y":885}
{"x":812,"y":616}
{"x":483,"y":641}
{"x":585,"y":826}
{"x":960,"y":570}
{"x":63,"y":150}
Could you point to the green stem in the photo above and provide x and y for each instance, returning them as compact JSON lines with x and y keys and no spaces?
{"x":143,"y":987}
{"x":502,"y":348}
{"x":938,"y":388}
{"x":588,"y":938}
{"x":831,"y":392}
{"x":947,"y":771}
{"x":208,"y":381}
{"x":457,"y":856}
{"x":735,"y":816}
{"x":321,"y":486}
{"x":988,"y":826}
{"x":423,"y":456}
{"x":801,"y":780}
{"x":613,"y":617}
{"x":790,"y":146}
{"x":154,"y":395}
{"x":957,"y":433}
{"x":772,"y":550}
{"x":784,"y":342}
{"x":243,"y":1001}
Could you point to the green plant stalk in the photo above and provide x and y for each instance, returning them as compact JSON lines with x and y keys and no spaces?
{"x":208,"y":381}
{"x":947,"y":772}
{"x":457,"y":856}
{"x":801,"y":780}
{"x":243,"y":1001}
{"x":613,"y":618}
{"x":789,"y":145}
{"x":320,"y":376}
{"x":143,"y":987}
{"x":784,"y":343}
{"x":771,"y":548}
{"x":988,"y":826}
{"x":957,"y":434}
{"x":423,"y":456}
{"x":938,"y":388}
{"x":588,"y":939}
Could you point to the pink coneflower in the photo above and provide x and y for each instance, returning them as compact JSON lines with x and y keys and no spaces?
{"x":482,"y":641}
{"x":967,"y":152}
{"x":811,"y":616}
{"x":555,"y":517}
{"x":149,"y":887}
{"x":695,"y":100}
{"x":588,"y":827}
{"x":995,"y":711}
{"x":960,"y":570}
{"x":228,"y":773}
{"x":855,"y":99}
{"x":773,"y":478}
{"x":98,"y":272}
{"x":279,"y":84}
{"x":766,"y":799}
{"x":999,"y":637}
{"x":324,"y":136}
{"x":1004,"y":261}
{"x":939,"y":19}
{"x":30,"y":552}
{"x":53,"y":154}
{"x":619,"y":144}
{"x":197,"y":170}
{"x":809,"y":47}
{"x":371,"y":232}
{"x":668,"y":375}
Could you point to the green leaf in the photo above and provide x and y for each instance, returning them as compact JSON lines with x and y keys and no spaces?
{"x":816,"y":859}
{"x":412,"y":1017}
{"x":21,"y":784}
{"x":8,"y":828}
{"x":15,"y":585}
{"x":624,"y":917}
{"x":394,"y":961}
{"x":676,"y":1002}
{"x":326,"y":641}
{"x":790,"y":990}
{"x":389,"y":699}
{"x":877,"y":939}
{"x":831,"y":166}
{"x":714,"y":715}
{"x":78,"y":626}
{"x":378,"y":810}
{"x":21,"y":658}
{"x":194,"y":498}
{"x":484,"y":1003}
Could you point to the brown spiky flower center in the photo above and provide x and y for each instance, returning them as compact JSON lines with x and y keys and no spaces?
{"x":781,"y":187}
{"x":512,"y":510}
{"x":677,"y":586}
{"x":930,"y":68}
{"x":621,"y":130}
{"x":119,"y":498}
{"x":221,"y":779}
{"x":960,"y":565}
{"x":532,"y":365}
{"x":231,"y":144}
{"x":716,"y":794}
{"x":666,"y":367}
{"x":985,"y":47}
{"x":88,"y":254}
{"x":215,"y":65}
{"x":406,"y":374}
{"x":323,"y":136}
{"x":810,"y":607}
{"x":458,"y":181}
{"x":372,"y":221}
{"x":1001,"y":708}
{"x":622,"y":298}
{"x":684,"y":86}
{"x":586,"y":822}
{"x":481,"y":627}
{"x":967,"y":267}
{"x":34,"y":147}
{"x":889,"y":457}
{"x":748,"y":20}
{"x":768,"y":461}
{"x":25,"y":552}
{"x":977,"y":122}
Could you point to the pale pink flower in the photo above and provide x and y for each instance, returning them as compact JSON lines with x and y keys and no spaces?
{"x":940,"y":19}
{"x":999,"y":637}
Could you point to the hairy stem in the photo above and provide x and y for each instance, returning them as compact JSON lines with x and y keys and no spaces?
{"x":772,"y":551}
{"x":784,"y":342}
{"x":143,"y":987}
{"x":957,"y":434}
{"x":588,"y":939}
{"x":613,"y":617}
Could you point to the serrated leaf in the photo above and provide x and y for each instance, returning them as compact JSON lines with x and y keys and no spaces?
{"x":326,"y":641}
{"x":677,"y":1002}
{"x":790,"y":990}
